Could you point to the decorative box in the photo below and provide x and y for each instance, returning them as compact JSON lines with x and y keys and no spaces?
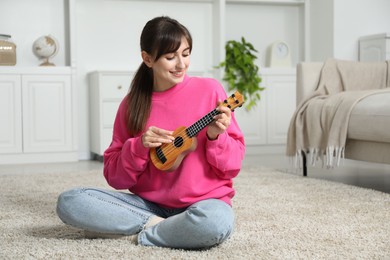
{"x":7,"y":51}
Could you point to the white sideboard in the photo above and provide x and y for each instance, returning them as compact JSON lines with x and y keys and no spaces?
{"x":106,"y":91}
{"x":265,"y":127}
{"x":37,"y":115}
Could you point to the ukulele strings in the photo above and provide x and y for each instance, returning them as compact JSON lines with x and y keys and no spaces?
{"x":170,"y":147}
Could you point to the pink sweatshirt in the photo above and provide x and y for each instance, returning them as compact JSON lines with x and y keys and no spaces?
{"x":204,"y":173}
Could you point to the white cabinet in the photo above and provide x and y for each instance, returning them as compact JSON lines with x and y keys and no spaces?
{"x":10,"y":114}
{"x":36,"y":112}
{"x":106,"y":91}
{"x":265,"y":127}
{"x":252,"y":123}
{"x":374,"y":47}
{"x":281,"y":103}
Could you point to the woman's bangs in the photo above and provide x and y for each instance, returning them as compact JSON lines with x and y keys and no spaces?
{"x":170,"y":43}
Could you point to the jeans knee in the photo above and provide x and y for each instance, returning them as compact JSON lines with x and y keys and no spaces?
{"x":215,"y":219}
{"x":67,"y":202}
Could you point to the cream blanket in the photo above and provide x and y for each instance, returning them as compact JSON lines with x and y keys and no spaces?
{"x":320,"y":123}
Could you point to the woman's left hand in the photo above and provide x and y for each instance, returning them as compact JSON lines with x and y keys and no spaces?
{"x":220,"y":124}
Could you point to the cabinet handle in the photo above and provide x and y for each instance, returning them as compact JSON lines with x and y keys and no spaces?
{"x":120,"y":87}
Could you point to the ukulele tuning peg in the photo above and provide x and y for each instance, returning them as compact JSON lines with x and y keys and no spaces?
{"x":225,"y":101}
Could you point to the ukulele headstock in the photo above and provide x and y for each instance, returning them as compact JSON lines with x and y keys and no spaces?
{"x":234,"y":101}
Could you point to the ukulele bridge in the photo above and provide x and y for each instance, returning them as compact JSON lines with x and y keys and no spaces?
{"x":160,"y":155}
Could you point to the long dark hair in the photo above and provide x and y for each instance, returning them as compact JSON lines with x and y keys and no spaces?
{"x":160,"y":36}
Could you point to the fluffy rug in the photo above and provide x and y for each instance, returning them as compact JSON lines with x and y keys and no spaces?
{"x":278,"y":216}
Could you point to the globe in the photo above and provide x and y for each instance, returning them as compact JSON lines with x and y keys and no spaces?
{"x":45,"y":47}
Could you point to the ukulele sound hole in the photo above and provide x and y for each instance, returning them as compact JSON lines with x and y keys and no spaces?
{"x":178,"y":141}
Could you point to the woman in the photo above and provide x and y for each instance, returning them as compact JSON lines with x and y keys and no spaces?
{"x":189,"y":207}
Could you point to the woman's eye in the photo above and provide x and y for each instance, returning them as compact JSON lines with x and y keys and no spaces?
{"x":170,"y":57}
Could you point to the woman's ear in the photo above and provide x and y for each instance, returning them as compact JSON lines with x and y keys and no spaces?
{"x":147,"y":59}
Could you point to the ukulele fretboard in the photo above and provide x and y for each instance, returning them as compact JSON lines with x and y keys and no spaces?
{"x":194,"y":129}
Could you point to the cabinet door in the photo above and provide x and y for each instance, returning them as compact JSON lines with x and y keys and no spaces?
{"x":47,"y":124}
{"x":10,"y":114}
{"x":281,"y":106}
{"x":253,"y":123}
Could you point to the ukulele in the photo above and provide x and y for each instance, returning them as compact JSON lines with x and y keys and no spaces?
{"x":168,"y":157}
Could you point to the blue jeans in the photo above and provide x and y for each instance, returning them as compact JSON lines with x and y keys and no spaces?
{"x":203,"y":224}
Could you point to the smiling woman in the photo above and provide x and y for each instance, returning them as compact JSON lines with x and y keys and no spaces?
{"x":190,"y":206}
{"x":171,"y":68}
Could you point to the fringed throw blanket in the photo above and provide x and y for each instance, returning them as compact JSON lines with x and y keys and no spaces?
{"x":320,"y":123}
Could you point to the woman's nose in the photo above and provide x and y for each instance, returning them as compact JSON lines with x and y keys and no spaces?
{"x":180,"y":63}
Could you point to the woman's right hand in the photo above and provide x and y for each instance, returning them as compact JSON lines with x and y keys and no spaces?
{"x":154,"y":137}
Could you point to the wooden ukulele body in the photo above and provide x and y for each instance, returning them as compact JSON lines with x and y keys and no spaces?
{"x":168,"y":157}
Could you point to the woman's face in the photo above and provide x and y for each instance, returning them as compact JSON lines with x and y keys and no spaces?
{"x":171,"y":68}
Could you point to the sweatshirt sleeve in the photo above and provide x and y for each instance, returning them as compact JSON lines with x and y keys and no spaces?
{"x":225,"y":154}
{"x":126,"y":158}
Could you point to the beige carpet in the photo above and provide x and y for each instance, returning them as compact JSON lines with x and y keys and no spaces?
{"x":279,"y":216}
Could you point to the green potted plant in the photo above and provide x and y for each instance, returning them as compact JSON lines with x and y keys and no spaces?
{"x":241,"y":73}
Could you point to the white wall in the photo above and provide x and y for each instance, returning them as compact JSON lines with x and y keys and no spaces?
{"x":357,"y":18}
{"x":337,"y":25}
{"x":27,"y":20}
